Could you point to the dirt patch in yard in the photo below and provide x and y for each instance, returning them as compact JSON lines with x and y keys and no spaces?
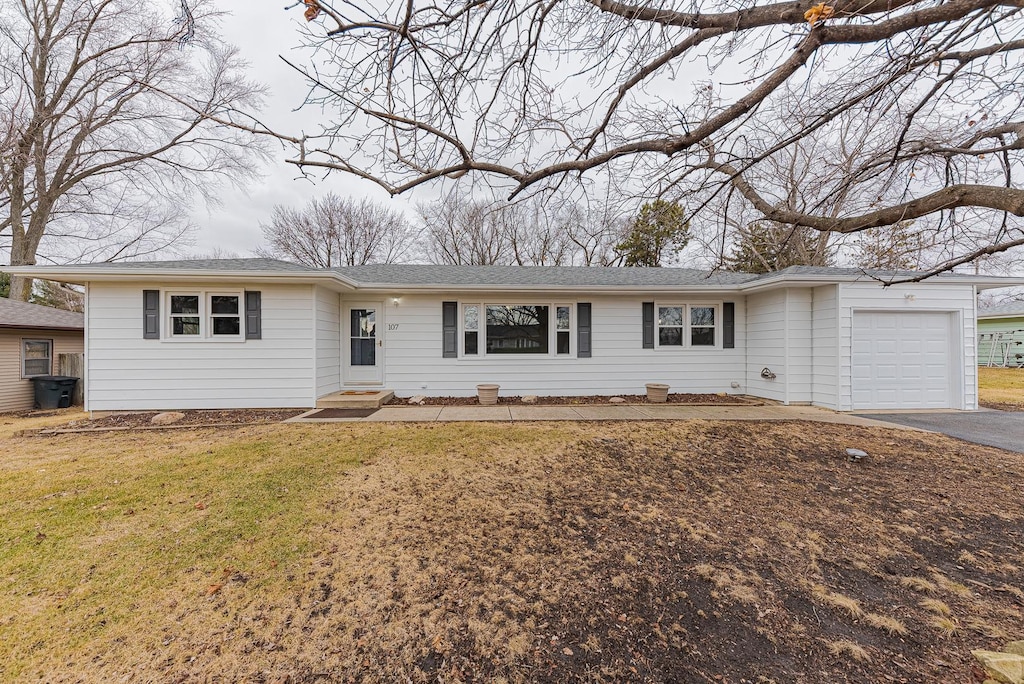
{"x":190,"y":418}
{"x":695,"y":399}
{"x":649,"y":552}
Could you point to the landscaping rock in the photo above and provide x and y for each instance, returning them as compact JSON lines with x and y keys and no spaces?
{"x":418,"y":400}
{"x":168,"y":418}
{"x":1014,"y":647}
{"x":1003,"y":667}
{"x":530,"y":399}
{"x":616,"y":400}
{"x":855,"y":454}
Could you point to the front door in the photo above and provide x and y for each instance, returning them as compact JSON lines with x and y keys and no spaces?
{"x":363,"y":350}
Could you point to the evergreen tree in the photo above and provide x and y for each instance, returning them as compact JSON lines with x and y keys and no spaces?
{"x":659,"y":231}
{"x":5,"y":285}
{"x":764,"y":247}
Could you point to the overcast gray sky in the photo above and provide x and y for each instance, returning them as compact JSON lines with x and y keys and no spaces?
{"x":264,"y":31}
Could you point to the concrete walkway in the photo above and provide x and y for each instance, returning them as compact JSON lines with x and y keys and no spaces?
{"x":585,"y":412}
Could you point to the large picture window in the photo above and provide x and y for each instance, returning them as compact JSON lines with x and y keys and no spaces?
{"x":517,"y":329}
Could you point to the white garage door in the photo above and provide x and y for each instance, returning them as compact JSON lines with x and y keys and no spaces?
{"x":902,"y":361}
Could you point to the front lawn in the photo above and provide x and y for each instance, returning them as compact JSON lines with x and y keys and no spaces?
{"x":1001,"y":388}
{"x":695,"y":551}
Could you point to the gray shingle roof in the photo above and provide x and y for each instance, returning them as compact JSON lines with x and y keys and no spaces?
{"x":258,"y":264}
{"x":1008,"y":310}
{"x":506,"y":276}
{"x":17,"y":314}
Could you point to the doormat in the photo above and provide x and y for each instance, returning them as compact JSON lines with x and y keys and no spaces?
{"x":341,"y":413}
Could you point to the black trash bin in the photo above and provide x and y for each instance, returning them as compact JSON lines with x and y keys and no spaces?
{"x":53,"y":391}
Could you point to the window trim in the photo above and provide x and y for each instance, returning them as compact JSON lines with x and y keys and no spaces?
{"x":49,"y":344}
{"x":205,"y":316}
{"x":481,"y":329}
{"x":688,"y":326}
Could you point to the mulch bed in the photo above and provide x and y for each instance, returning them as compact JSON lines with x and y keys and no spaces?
{"x":693,"y":399}
{"x":192,"y":418}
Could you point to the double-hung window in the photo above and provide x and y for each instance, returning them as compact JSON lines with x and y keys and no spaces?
{"x":687,"y":325}
{"x":36,"y":357}
{"x":204,"y":315}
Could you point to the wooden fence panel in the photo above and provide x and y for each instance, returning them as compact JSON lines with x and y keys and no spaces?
{"x":73,"y":365}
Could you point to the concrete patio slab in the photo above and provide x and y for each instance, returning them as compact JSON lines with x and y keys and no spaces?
{"x":609,"y":413}
{"x":455,"y":413}
{"x":522,"y":413}
{"x":405,"y":414}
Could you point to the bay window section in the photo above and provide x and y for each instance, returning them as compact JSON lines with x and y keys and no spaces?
{"x":517,"y":329}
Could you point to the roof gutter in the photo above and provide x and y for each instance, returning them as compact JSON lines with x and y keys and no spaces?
{"x":83,"y":275}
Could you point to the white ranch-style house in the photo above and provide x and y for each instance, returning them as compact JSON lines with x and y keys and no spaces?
{"x":248,"y":333}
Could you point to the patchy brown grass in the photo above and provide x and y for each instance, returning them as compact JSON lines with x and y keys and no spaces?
{"x":693,"y":551}
{"x":1001,"y":388}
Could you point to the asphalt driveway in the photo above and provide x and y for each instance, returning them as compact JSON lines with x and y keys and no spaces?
{"x":1003,"y":429}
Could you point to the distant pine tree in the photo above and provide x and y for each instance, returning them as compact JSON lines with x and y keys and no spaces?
{"x":764,"y":247}
{"x":659,"y":231}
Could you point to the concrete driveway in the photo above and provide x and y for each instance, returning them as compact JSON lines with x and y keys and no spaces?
{"x":1003,"y":429}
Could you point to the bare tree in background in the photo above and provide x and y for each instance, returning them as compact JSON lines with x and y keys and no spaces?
{"x":900,"y":248}
{"x":533,"y":231}
{"x":693,"y":98}
{"x":338,"y":231}
{"x":109,"y":115}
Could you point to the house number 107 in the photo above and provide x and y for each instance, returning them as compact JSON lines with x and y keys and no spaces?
{"x":392,"y":326}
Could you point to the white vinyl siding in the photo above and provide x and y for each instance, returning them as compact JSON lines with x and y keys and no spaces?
{"x":328,"y":341}
{"x":958,"y":300}
{"x":17,"y":393}
{"x":127,"y":372}
{"x":825,"y":343}
{"x":619,"y":364}
{"x":766,"y":344}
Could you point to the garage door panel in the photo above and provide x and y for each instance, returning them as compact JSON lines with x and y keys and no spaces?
{"x":901,"y":360}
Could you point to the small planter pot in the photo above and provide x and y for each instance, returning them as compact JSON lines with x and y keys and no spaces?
{"x":487,"y":395}
{"x":657,"y":393}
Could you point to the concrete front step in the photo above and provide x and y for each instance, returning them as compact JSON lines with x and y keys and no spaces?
{"x":355,"y":399}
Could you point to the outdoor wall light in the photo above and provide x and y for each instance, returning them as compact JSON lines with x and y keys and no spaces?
{"x":910,"y":297}
{"x":395,"y":300}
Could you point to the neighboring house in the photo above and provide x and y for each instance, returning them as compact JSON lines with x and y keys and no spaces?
{"x":1001,"y":335}
{"x":237,"y":333}
{"x":31,"y":337}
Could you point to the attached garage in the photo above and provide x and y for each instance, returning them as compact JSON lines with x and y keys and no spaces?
{"x":904,"y":360}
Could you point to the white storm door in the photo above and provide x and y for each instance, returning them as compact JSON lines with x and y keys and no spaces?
{"x":363,"y":347}
{"x":902,"y":360}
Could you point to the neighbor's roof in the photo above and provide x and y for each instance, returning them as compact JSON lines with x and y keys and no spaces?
{"x":450,"y":278}
{"x":17,"y":314}
{"x":1007,"y":310}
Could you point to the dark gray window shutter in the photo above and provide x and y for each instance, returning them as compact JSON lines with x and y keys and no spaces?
{"x":583,"y":335}
{"x":648,"y":325}
{"x":253,"y":316}
{"x":728,"y":325}
{"x":450,"y":323}
{"x":151,"y":314}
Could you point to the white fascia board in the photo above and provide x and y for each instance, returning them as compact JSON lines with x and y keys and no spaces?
{"x":602,"y":290}
{"x":85,"y":275}
{"x":773,"y":282}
